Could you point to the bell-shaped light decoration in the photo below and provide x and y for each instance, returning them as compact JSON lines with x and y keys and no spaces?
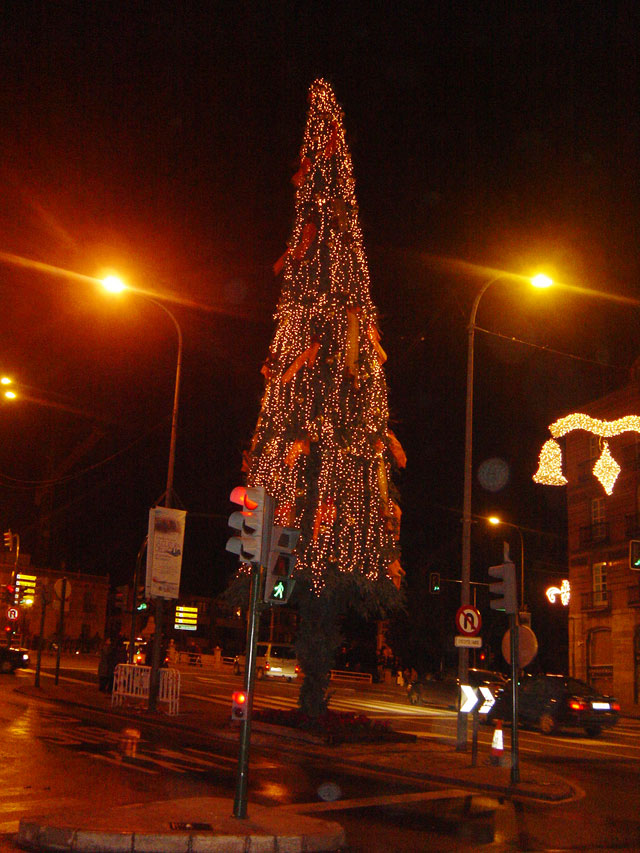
{"x":549,"y":471}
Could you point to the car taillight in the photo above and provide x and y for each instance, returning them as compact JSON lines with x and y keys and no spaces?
{"x":297,"y":669}
{"x":267,"y":666}
{"x":577,"y":705}
{"x":615,"y":706}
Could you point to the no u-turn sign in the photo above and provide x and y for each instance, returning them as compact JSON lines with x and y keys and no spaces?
{"x":468,"y":620}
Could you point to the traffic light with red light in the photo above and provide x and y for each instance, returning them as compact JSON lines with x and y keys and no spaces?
{"x":252,"y":522}
{"x":8,"y":593}
{"x":8,"y":540}
{"x":239,"y":705}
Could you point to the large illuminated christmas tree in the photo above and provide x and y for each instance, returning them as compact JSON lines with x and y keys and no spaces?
{"x":322,"y":445}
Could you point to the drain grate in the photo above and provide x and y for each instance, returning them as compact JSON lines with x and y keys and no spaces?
{"x":202,"y":827}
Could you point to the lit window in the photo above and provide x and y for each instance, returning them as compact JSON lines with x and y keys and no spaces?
{"x":600,"y":594}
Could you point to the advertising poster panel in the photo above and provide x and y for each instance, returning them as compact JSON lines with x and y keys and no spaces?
{"x":164,"y":552}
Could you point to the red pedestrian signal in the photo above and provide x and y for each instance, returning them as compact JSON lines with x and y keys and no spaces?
{"x":255,"y":517}
{"x":239,"y":705}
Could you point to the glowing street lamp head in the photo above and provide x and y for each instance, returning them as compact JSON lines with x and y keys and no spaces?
{"x":541,"y":280}
{"x":113,"y":284}
{"x":5,"y":381}
{"x":493,"y":519}
{"x":10,"y":395}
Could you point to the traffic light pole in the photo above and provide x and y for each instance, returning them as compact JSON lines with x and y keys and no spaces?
{"x":242,"y":780}
{"x":515,"y":665}
{"x":255,"y":609}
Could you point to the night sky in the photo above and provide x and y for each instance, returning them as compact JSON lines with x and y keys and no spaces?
{"x":158,"y":140}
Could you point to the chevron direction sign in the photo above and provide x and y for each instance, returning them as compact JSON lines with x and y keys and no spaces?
{"x":472,"y":696}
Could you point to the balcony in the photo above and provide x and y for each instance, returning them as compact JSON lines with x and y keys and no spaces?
{"x":632,"y":525}
{"x":596,"y":600}
{"x":594,"y":534}
{"x":631,"y":457}
{"x":633,"y":595}
{"x":585,"y":470}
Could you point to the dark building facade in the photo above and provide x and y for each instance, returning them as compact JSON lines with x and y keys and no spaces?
{"x":604,"y":614}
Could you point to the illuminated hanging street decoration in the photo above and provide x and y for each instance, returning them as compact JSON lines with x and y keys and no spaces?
{"x":606,"y":469}
{"x":564,"y":592}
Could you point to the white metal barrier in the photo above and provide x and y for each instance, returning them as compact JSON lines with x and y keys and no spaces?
{"x":132,"y":682}
{"x":350,"y":675}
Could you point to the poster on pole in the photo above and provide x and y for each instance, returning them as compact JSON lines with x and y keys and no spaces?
{"x":164,"y":552}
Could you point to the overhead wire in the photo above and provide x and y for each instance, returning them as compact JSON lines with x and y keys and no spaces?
{"x":18,"y":483}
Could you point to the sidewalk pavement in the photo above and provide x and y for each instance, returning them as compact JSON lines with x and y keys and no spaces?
{"x":197,"y":825}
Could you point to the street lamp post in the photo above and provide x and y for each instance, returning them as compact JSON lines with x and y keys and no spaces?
{"x":465,"y":590}
{"x":154,"y":683}
{"x":115,"y":285}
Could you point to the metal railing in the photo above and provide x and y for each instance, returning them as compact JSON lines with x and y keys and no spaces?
{"x":592,"y":533}
{"x":596,"y":600}
{"x":633,"y":596}
{"x":132,"y":682}
{"x":350,"y":675}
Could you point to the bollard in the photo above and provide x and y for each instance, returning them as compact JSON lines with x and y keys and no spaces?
{"x":497,"y":744}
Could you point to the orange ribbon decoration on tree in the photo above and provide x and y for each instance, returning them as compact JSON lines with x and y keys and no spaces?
{"x":374,"y":337}
{"x":279,"y":264}
{"x":300,"y":446}
{"x":308,"y":234}
{"x":298,"y":179}
{"x":397,"y":450}
{"x":332,"y":145}
{"x":352,"y":349}
{"x":325,"y":514}
{"x":307,"y":357}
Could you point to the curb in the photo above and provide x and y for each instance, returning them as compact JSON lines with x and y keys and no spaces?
{"x":160,"y":828}
{"x":32,"y":836}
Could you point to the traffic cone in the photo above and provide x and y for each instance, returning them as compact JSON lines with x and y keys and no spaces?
{"x":497,"y":744}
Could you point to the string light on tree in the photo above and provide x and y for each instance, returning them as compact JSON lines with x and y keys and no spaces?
{"x":322,"y":446}
{"x":606,"y":469}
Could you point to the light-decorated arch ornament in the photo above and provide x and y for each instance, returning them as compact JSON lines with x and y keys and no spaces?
{"x":606,"y":469}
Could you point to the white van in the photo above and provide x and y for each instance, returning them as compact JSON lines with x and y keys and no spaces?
{"x":273,"y":660}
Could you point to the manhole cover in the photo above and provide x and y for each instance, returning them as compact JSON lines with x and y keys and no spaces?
{"x":202,"y":827}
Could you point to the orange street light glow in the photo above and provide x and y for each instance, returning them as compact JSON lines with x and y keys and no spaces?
{"x":541,"y":280}
{"x":5,"y":381}
{"x":113,"y":284}
{"x":10,"y":395}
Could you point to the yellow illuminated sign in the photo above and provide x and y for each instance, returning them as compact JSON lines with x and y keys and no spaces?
{"x":25,"y":591}
{"x":186,"y":618}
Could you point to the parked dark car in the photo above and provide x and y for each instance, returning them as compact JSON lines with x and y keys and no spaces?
{"x":12,"y":659}
{"x":552,"y":702}
{"x":445,"y":691}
